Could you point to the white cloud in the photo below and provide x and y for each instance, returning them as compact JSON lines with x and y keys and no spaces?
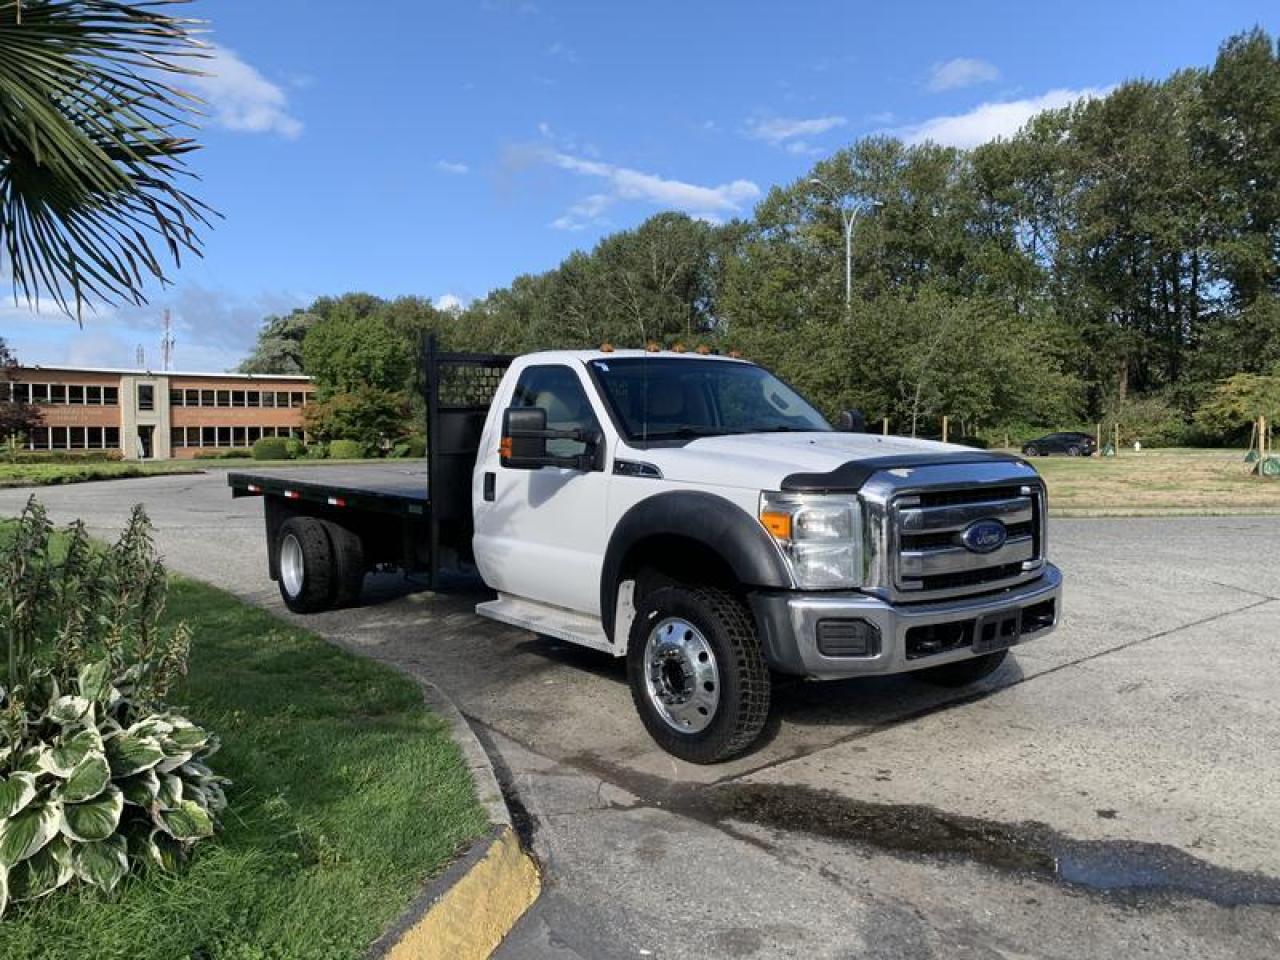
{"x":587,"y":211}
{"x":449,"y":302}
{"x":562,"y":50}
{"x":629,"y":184}
{"x":777,"y":130}
{"x":242,"y":99}
{"x":960,"y":72}
{"x":990,"y":120}
{"x":453,"y":167}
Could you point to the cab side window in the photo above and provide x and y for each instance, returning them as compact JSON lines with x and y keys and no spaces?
{"x":558,"y":391}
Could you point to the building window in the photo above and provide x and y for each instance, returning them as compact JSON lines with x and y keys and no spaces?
{"x":75,"y":394}
{"x":224,"y":398}
{"x":237,"y":398}
{"x":39,"y":393}
{"x":110,"y":396}
{"x":268,"y":398}
{"x":252,"y":398}
{"x":176,"y":399}
{"x":146,"y":396}
{"x":57,"y":393}
{"x":295,"y":399}
{"x":93,"y":396}
{"x":111,"y":437}
{"x":95,"y":438}
{"x":206,"y":398}
{"x":224,"y":436}
{"x":191,"y":398}
{"x":208,"y":437}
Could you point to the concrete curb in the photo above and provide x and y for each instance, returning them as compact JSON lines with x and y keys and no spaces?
{"x":467,"y":911}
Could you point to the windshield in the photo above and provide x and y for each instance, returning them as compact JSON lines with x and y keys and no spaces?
{"x":664,"y":398}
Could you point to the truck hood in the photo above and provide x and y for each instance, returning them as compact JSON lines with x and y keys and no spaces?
{"x":760,"y":461}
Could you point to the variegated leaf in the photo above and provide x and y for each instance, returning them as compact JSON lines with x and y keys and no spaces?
{"x":171,"y":763}
{"x":141,"y":789}
{"x":16,"y":792}
{"x":64,"y":757}
{"x":103,"y":863}
{"x":27,"y":832}
{"x":128,"y":754}
{"x":186,"y":821}
{"x":156,"y":726}
{"x":187,"y":736}
{"x":95,"y":680}
{"x":87,"y":780}
{"x":68,"y":709}
{"x":170,"y":794}
{"x":4,"y":889}
{"x":95,"y":820}
{"x":42,"y":873}
{"x":163,"y":851}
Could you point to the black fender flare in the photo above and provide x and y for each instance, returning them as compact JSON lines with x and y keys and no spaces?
{"x":710,"y":520}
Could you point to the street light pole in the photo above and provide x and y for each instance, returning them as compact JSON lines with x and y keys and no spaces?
{"x":848,"y":216}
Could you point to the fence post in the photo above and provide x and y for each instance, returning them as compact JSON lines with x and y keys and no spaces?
{"x":945,"y":424}
{"x":1117,"y":434}
{"x":885,"y":426}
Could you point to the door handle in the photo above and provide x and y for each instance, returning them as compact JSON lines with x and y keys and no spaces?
{"x":490,"y":481}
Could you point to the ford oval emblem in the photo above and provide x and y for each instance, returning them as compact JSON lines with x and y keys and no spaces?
{"x":984,"y":536}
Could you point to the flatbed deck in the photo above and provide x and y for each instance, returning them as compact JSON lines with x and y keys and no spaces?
{"x":397,"y":488}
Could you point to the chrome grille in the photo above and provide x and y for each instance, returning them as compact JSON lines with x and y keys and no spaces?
{"x":930,"y":561}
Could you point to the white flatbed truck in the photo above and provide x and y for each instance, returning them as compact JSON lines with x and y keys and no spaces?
{"x":693,"y":514}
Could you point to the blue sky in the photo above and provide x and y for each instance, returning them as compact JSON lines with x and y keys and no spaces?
{"x":442,"y":148}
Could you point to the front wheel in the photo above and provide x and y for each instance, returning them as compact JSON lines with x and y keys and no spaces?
{"x":1073,"y":451}
{"x":1030,"y":451}
{"x":963,"y":672}
{"x":698,"y":679}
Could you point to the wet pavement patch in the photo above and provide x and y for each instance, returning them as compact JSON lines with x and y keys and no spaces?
{"x":1113,"y":867}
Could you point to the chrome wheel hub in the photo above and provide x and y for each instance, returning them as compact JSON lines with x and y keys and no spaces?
{"x":681,"y":677}
{"x":291,"y":565}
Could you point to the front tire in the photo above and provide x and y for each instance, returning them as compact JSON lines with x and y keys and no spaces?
{"x":964,"y":672}
{"x":698,"y":679}
{"x":1073,"y":451}
{"x":1030,"y":451}
{"x":304,"y":565}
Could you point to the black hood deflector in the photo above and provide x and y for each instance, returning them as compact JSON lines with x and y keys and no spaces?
{"x":850,"y":477}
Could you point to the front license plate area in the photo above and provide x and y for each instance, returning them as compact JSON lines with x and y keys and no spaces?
{"x":997,"y":631}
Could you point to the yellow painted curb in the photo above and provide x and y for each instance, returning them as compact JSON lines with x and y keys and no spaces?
{"x":472,"y":916}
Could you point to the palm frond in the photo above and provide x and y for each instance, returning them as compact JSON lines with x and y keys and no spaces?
{"x":93,"y":131}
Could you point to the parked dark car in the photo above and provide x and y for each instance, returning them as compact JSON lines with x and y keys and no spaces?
{"x":1072,"y":444}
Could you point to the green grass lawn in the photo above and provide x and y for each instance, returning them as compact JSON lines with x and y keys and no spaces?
{"x":348,"y":794}
{"x":1157,"y":482}
{"x":50,"y":474}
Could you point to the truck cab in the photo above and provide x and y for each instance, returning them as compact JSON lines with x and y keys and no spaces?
{"x":696,"y":515}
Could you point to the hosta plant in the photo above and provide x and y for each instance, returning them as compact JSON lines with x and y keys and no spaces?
{"x":98,"y":776}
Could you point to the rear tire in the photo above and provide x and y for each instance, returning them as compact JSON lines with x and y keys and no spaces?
{"x":304,"y":565}
{"x":1073,"y":451}
{"x":348,"y":564}
{"x":964,"y":672}
{"x":1030,"y":451}
{"x":698,"y":679}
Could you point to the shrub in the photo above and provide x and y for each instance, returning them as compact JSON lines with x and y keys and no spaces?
{"x":417,"y":445}
{"x":97,"y":775}
{"x":271,"y":448}
{"x":317,"y":451}
{"x":61,"y":456}
{"x":346,"y":450}
{"x":295,"y":447}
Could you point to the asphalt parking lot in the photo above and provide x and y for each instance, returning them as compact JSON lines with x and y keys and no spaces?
{"x":1113,"y":791}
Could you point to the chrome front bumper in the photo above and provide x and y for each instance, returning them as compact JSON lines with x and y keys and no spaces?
{"x":788,"y":623}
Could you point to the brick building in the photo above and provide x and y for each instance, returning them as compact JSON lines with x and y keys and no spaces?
{"x":147,"y":415}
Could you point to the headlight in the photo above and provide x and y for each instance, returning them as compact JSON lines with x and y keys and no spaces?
{"x":820,"y":535}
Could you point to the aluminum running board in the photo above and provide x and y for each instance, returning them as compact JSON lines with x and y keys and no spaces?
{"x":550,"y":621}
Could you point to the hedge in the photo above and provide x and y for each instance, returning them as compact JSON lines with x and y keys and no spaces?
{"x":271,"y":448}
{"x":346,"y":450}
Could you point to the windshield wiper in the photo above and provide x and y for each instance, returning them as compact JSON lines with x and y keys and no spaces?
{"x":686,"y":431}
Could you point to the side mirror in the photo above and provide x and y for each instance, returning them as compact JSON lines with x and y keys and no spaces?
{"x":523,"y":437}
{"x":852,"y":421}
{"x":524,"y":442}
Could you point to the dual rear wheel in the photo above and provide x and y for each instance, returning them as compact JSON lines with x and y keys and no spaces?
{"x":319,"y":563}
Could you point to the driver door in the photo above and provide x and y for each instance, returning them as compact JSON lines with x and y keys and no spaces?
{"x":542,"y":535}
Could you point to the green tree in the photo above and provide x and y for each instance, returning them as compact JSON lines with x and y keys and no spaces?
{"x":91,"y":148}
{"x":344,"y":351}
{"x":16,"y":419}
{"x":279,"y":346}
{"x":372,"y":416}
